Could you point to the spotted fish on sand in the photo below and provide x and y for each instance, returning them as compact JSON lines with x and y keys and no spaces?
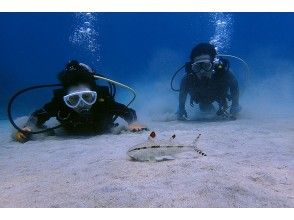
{"x":154,"y":150}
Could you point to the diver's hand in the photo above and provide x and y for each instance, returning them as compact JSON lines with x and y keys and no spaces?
{"x":136,"y":127}
{"x":23,"y":136}
{"x":182,"y":115}
{"x":223,"y":113}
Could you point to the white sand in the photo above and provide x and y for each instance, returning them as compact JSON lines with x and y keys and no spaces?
{"x":249,"y":164}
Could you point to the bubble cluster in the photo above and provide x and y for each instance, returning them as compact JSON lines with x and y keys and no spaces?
{"x":85,"y":34}
{"x":223,"y":27}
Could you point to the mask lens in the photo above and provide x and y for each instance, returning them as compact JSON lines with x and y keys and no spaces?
{"x":206,"y":66}
{"x":196,"y":67}
{"x":89,"y":97}
{"x":72,"y":100}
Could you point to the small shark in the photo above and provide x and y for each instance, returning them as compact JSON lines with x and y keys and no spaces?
{"x":159,"y":150}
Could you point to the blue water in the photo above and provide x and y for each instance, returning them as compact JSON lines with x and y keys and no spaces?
{"x":136,"y":48}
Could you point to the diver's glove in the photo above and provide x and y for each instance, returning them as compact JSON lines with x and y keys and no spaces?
{"x":24,"y":136}
{"x":182,"y":115}
{"x":235,"y":110}
{"x":223,"y":112}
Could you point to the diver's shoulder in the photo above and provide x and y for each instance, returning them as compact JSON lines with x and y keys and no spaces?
{"x":59,"y":92}
{"x":226,"y":74}
{"x":103,"y":91}
{"x":102,"y":88}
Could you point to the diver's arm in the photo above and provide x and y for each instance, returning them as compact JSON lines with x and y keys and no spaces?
{"x":117,"y":109}
{"x":120,"y":110}
{"x":129,"y":115}
{"x":234,"y":89}
{"x":40,"y":116}
{"x":37,"y":119}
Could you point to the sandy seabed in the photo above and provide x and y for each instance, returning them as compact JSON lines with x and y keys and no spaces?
{"x":250,"y":163}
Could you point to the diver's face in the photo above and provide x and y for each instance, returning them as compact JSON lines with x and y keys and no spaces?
{"x":202,"y":66}
{"x":80,"y":98}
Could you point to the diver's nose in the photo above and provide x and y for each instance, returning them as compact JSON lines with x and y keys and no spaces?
{"x":82,"y":104}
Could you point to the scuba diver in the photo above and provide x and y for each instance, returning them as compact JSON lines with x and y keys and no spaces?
{"x":208,"y":79}
{"x":81,"y":106}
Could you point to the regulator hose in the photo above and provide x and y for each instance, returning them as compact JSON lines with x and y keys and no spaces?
{"x":173,"y":77}
{"x":9,"y":107}
{"x":119,"y":84}
{"x":247,"y":74}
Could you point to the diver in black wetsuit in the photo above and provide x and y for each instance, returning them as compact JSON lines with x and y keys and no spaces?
{"x":208,"y":80}
{"x":81,"y":106}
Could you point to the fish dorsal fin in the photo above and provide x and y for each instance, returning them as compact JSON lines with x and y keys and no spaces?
{"x":172,"y":137}
{"x":195,"y":142}
{"x":152,"y":136}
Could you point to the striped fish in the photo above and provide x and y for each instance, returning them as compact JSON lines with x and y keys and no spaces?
{"x":155,"y":150}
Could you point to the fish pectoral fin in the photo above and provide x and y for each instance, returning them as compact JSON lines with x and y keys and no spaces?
{"x":164,"y":158}
{"x":152,"y":136}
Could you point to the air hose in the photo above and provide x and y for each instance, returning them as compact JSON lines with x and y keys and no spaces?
{"x":119,"y":84}
{"x":173,"y":77}
{"x":9,"y":107}
{"x":112,"y":88}
{"x":247,"y":74}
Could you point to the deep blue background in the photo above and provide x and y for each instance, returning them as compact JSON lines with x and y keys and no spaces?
{"x":35,"y":46}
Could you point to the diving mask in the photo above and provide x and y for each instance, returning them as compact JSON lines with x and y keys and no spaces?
{"x":198,"y":66}
{"x":80,"y":99}
{"x":202,"y":66}
{"x":202,"y":63}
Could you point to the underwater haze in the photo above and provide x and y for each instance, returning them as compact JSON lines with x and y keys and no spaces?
{"x":249,"y":161}
{"x":143,"y":50}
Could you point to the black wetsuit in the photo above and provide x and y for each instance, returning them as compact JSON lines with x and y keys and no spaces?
{"x":98,"y":120}
{"x":222,"y":86}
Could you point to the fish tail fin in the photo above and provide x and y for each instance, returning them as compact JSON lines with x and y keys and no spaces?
{"x":195,"y":142}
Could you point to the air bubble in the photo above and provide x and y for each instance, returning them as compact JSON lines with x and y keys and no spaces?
{"x":85,"y":34}
{"x":222,"y":23}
